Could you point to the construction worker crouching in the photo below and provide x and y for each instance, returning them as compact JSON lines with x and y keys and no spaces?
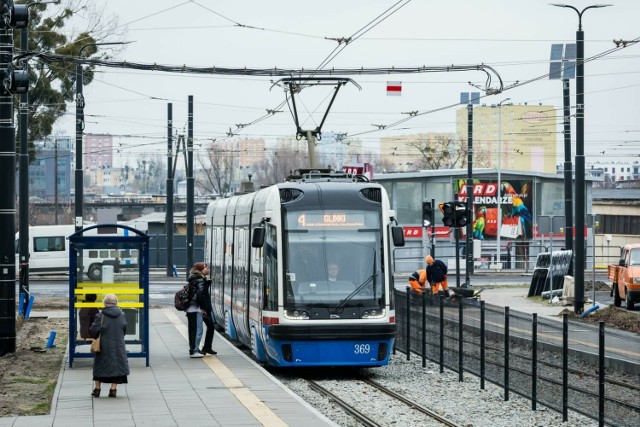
{"x":418,"y":281}
{"x":437,"y":275}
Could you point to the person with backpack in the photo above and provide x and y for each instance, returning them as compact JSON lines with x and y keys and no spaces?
{"x":200,"y":311}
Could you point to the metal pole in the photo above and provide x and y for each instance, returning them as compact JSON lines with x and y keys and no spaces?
{"x":551,"y":260}
{"x":580,"y":170}
{"x":433,"y":228}
{"x":55,"y":178}
{"x":469,"y":248}
{"x":601,"y":372}
{"x":170,"y":172}
{"x":534,"y":361}
{"x":568,"y":173}
{"x":506,"y":353}
{"x":24,"y":181}
{"x":565,"y":366}
{"x":7,"y":206}
{"x":408,"y":322}
{"x":593,"y":260}
{"x":79,"y":185}
{"x":498,"y":243}
{"x":311,"y":147}
{"x":482,"y":343}
{"x":190,"y":186}
{"x":460,"y":340}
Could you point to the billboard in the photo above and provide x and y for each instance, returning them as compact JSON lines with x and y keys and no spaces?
{"x":516,"y":203}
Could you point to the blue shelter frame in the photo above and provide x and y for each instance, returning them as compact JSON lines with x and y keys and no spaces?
{"x":133,"y":295}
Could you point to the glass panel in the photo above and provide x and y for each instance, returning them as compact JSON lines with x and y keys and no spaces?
{"x":409,"y":202}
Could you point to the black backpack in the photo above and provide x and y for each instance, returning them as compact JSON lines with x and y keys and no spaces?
{"x":182,"y":299}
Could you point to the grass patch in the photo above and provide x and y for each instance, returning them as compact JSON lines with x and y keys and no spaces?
{"x":43,"y":407}
{"x":29,"y":380}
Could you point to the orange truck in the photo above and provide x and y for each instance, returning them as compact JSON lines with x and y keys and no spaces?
{"x":625,"y":277}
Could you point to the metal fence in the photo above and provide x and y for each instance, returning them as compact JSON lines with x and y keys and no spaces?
{"x":158,"y":250}
{"x":520,"y":256}
{"x":521,"y":353}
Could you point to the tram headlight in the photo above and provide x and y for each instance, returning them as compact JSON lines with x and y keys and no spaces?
{"x":296,"y":315}
{"x":374,"y":313}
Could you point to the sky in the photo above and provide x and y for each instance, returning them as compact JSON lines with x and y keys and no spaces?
{"x":514,"y":37}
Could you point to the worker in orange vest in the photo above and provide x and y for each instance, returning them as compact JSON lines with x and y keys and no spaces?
{"x":437,"y":272}
{"x":418,"y":281}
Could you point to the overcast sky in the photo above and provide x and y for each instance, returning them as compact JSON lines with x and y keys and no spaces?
{"x":512,"y":36}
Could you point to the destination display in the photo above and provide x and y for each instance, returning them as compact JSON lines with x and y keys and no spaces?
{"x":333,"y":219}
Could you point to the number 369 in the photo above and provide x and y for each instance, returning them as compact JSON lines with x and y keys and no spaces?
{"x":361,"y":349}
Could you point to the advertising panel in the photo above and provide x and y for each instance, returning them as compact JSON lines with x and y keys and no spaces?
{"x":516,"y":203}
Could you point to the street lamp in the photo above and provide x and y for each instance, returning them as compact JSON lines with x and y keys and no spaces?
{"x":498,"y":248}
{"x":580,"y":166}
{"x":79,"y":185}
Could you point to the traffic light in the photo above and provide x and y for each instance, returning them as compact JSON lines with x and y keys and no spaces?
{"x":461,"y":214}
{"x":454,"y":214}
{"x":427,"y":212}
{"x":447,"y":214}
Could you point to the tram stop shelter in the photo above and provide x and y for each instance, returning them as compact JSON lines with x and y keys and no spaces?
{"x":109,"y":259}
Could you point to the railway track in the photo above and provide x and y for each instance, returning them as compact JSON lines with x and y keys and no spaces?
{"x":359,"y":413}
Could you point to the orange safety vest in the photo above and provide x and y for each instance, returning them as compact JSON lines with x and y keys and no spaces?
{"x":418,"y":286}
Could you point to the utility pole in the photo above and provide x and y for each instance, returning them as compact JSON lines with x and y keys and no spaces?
{"x":568,"y":173}
{"x":190,"y":185}
{"x":170,"y":173}
{"x":469,"y":241}
{"x":55,"y":179}
{"x":13,"y":82}
{"x":23,"y":182}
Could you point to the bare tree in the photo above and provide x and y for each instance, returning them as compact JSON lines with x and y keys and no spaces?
{"x":441,"y":152}
{"x":217,"y":170}
{"x":280,"y":165}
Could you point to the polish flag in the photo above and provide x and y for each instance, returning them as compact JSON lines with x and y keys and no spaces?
{"x":394,"y":88}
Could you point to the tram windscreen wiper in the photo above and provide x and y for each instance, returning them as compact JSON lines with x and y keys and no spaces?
{"x":354,"y":293}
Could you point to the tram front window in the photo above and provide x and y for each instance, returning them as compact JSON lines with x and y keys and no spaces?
{"x":334,"y":271}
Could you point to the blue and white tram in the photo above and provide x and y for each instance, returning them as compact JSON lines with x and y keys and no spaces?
{"x":268,"y":252}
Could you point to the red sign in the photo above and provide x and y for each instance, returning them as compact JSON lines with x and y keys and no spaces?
{"x":365,"y":169}
{"x":415,"y":232}
{"x":412,"y":232}
{"x":394,"y":88}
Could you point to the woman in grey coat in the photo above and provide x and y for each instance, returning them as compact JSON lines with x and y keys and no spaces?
{"x":111,"y":364}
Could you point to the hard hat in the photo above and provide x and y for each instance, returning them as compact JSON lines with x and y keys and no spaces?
{"x":428,"y":259}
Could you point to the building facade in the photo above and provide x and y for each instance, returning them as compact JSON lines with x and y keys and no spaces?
{"x":51,"y":170}
{"x":97,"y":151}
{"x":517,"y":137}
{"x":528,"y":201}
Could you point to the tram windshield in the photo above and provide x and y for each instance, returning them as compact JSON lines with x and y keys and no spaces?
{"x":333,"y":263}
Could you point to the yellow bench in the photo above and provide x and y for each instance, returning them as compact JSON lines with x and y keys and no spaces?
{"x":127,"y":293}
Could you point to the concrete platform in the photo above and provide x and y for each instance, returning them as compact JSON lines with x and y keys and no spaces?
{"x":228,"y":389}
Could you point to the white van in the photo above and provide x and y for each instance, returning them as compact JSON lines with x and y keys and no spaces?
{"x":49,"y":253}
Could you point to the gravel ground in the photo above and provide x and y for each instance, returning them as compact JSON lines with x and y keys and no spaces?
{"x":462,"y":402}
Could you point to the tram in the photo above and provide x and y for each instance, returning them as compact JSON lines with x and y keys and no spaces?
{"x":268,"y":253}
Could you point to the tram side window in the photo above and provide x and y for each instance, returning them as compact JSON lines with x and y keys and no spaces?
{"x":271,"y":269}
{"x":48,"y":244}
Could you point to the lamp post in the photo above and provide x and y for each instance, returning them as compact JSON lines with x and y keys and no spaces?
{"x":498,"y":248}
{"x":580,"y":163}
{"x":79,"y":185}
